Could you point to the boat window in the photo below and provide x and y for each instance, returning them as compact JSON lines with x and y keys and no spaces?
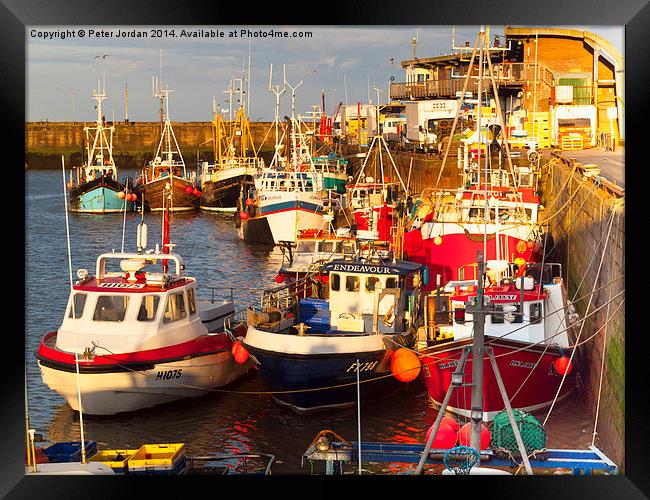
{"x":371,"y":282}
{"x":535,"y":312}
{"x":352,"y":283}
{"x":190,"y":300}
{"x":328,"y":246}
{"x":307,"y":246}
{"x":391,"y":283}
{"x":175,"y":309}
{"x":110,"y":308}
{"x":497,"y":315}
{"x":335,"y":282}
{"x":148,"y":308}
{"x":79,"y":303}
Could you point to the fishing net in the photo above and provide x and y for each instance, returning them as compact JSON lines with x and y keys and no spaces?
{"x":461,"y":459}
{"x":532,"y":433}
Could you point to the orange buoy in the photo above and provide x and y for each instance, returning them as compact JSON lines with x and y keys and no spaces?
{"x":405,"y":365}
{"x":466,"y":431}
{"x":530,"y":244}
{"x":239,"y":352}
{"x":445,"y":437}
{"x":563,"y":365}
{"x":249,"y":202}
{"x":521,"y":246}
{"x":121,"y":195}
{"x":244,"y":215}
{"x":437,"y":240}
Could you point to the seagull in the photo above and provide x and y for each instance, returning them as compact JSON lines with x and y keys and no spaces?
{"x":104,"y":56}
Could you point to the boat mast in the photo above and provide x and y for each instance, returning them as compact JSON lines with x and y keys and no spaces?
{"x":294,"y":155}
{"x":278,"y":93}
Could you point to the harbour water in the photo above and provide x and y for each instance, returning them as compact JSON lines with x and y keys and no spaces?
{"x":240,"y":418}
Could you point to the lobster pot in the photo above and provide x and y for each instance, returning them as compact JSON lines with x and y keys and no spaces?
{"x":532,"y":433}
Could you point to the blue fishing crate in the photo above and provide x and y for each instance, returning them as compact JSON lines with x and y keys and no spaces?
{"x":315,"y":313}
{"x":69,"y":451}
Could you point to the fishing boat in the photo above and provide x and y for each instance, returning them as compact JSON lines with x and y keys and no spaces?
{"x":139,"y":338}
{"x":526,"y":325}
{"x":167,"y":169}
{"x":514,"y":307}
{"x":334,"y":170}
{"x":496,"y":209}
{"x":222,"y":181}
{"x":308,"y":350}
{"x":95,"y":187}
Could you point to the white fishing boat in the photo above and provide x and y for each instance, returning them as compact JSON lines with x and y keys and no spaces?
{"x":138,"y":338}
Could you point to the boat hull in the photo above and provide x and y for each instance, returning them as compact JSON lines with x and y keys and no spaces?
{"x":255,"y":230}
{"x":111,"y":384}
{"x":460,"y":249}
{"x":223,"y":194}
{"x":152,"y":194}
{"x":318,"y":372}
{"x":537,"y":392}
{"x":99,"y":197}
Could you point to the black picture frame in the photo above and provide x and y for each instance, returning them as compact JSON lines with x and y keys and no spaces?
{"x":633,"y":14}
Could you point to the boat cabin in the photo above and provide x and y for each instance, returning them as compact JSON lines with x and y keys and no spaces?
{"x":314,"y":248}
{"x":370,"y":194}
{"x":527,"y":308}
{"x":158,"y":169}
{"x":289,"y":181}
{"x":130,"y":310}
{"x":368,"y":296}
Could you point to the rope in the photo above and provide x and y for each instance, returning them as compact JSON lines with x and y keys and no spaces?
{"x":602,"y":258}
{"x":600,"y":382}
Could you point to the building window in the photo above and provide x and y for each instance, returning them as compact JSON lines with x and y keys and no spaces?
{"x":391,"y":283}
{"x":175,"y":309}
{"x":148,"y":308}
{"x":79,"y":303}
{"x":111,"y":308}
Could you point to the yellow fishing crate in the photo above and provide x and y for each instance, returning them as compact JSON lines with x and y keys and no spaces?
{"x":158,"y":459}
{"x":115,"y":459}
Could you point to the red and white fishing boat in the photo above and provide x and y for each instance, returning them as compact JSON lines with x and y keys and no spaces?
{"x":448,"y":227}
{"x":526,"y":326}
{"x":138,"y":338}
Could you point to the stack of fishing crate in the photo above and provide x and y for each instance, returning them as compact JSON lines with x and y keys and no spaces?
{"x":538,"y":125}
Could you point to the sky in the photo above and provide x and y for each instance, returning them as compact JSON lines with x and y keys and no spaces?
{"x":62,"y":73}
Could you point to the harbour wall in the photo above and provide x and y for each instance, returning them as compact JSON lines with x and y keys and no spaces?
{"x":134,"y":143}
{"x":587,"y":221}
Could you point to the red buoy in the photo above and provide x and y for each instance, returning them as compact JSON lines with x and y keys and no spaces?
{"x":465,"y":433}
{"x":405,"y":365}
{"x":188,"y":189}
{"x":279,"y":278}
{"x":239,"y":352}
{"x":563,"y":365}
{"x":196,"y":192}
{"x":445,"y":437}
{"x":244,"y":215}
{"x":249,"y":202}
{"x":451,"y":423}
{"x":133,"y":196}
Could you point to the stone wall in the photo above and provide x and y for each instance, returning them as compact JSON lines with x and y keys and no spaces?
{"x":590,"y":226}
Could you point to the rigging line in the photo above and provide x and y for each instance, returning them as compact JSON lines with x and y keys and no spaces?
{"x":600,"y":382}
{"x":584,"y":276}
{"x":602,"y":258}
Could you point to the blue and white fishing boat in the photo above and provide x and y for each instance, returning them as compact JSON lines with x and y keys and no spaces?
{"x":307,"y":349}
{"x":95,"y":187}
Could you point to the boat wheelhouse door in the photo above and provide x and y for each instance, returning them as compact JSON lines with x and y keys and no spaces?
{"x":366,"y":302}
